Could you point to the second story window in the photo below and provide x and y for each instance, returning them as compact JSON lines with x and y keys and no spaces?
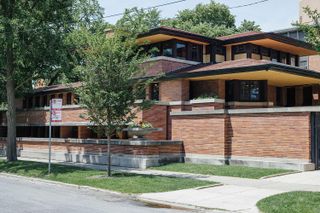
{"x":44,"y":101}
{"x":69,"y":98}
{"x":30,"y":102}
{"x":177,"y":49}
{"x":154,"y":92}
{"x":37,"y":101}
{"x":195,"y":52}
{"x":167,"y":49}
{"x":181,"y":50}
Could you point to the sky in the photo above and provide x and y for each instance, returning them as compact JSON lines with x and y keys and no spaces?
{"x":271,"y":15}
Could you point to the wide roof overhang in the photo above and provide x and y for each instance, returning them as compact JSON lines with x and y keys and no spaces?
{"x":164,"y":33}
{"x":276,"y":42}
{"x":275,"y":75}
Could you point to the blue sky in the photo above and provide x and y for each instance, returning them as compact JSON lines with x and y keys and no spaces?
{"x":271,"y":15}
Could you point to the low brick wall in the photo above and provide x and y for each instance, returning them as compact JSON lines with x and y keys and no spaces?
{"x":135,"y":154}
{"x":258,"y":139}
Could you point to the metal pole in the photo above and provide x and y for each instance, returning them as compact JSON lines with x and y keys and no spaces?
{"x":49,"y":164}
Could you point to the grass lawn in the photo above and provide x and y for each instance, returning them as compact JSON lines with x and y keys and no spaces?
{"x":121,"y":182}
{"x":291,"y":202}
{"x":232,"y":171}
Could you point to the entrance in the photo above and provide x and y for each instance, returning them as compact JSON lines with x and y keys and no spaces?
{"x":315,"y":147}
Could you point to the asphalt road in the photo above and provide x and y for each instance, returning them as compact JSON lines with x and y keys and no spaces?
{"x":20,"y":195}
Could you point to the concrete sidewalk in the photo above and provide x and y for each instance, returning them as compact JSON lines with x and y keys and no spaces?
{"x":237,"y":194}
{"x":234,"y":195}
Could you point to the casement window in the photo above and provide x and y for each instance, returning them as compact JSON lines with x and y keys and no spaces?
{"x":251,"y":91}
{"x":176,"y":49}
{"x":181,"y":50}
{"x":69,"y":98}
{"x":246,"y":91}
{"x":167,"y":49}
{"x":37,"y":101}
{"x":24,"y":103}
{"x":154,"y":91}
{"x":44,"y":101}
{"x":30,"y":102}
{"x":195,"y":52}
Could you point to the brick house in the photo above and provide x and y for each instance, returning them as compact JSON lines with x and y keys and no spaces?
{"x":239,"y":99}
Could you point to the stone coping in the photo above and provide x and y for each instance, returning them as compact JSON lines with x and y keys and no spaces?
{"x":197,"y":101}
{"x":47,"y":108}
{"x":121,"y":142}
{"x":248,"y":111}
{"x":158,"y":58}
{"x":250,"y":104}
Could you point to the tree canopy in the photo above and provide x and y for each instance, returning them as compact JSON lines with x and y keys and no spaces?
{"x":212,"y":20}
{"x":33,"y":46}
{"x":312,"y":31}
{"x":248,"y":26}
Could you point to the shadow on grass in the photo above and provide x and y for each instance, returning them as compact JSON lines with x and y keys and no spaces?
{"x":36,"y":168}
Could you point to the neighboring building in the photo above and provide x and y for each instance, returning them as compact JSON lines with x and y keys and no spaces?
{"x":239,"y":99}
{"x":310,"y":62}
{"x":313,"y":4}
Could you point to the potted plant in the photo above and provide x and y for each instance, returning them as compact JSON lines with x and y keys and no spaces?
{"x":139,"y":130}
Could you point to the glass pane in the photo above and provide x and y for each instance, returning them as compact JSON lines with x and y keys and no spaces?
{"x":255,"y":91}
{"x":250,"y":91}
{"x":195,"y":52}
{"x":181,"y":50}
{"x":167,"y":50}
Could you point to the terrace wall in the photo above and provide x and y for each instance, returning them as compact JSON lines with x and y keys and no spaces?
{"x":256,"y":139}
{"x":135,"y":154}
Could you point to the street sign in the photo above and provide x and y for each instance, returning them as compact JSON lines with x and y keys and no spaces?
{"x":55,"y":116}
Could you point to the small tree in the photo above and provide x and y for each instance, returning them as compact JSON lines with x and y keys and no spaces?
{"x":108,"y":92}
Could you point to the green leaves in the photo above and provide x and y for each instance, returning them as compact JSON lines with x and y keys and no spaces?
{"x":108,"y":92}
{"x":312,"y":30}
{"x":212,"y":20}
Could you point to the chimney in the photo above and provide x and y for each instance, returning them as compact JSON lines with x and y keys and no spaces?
{"x":109,"y":32}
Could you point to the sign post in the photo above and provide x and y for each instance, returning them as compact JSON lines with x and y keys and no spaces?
{"x":55,"y":116}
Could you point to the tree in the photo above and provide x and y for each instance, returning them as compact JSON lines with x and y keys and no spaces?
{"x":312,"y":30}
{"x":108,"y":92}
{"x":212,"y":19}
{"x":135,"y":21}
{"x":32,"y":42}
{"x":247,"y":26}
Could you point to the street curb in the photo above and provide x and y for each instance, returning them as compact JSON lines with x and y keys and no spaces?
{"x":179,"y":205}
{"x":125,"y":195}
{"x":279,"y":175}
{"x":33,"y":179}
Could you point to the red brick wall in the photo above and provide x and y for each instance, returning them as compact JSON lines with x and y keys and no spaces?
{"x":200,"y":134}
{"x":101,"y":148}
{"x":270,"y":135}
{"x":157,"y":116}
{"x":175,"y":90}
{"x":162,"y":66}
{"x":42,"y":116}
{"x":279,"y":135}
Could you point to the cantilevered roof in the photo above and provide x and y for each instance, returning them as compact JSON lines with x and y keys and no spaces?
{"x":167,"y":33}
{"x":250,"y":69}
{"x":58,"y":87}
{"x":271,"y":40}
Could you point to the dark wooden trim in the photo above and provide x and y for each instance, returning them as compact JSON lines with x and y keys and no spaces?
{"x":273,"y":36}
{"x":179,"y":33}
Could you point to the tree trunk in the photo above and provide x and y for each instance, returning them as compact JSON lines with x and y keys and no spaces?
{"x":109,"y":155}
{"x":11,"y":122}
{"x":8,"y":7}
